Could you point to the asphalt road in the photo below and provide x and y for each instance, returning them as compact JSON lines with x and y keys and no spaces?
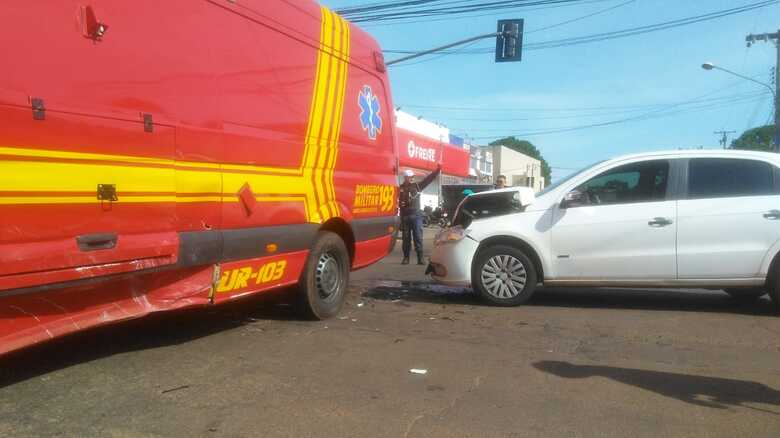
{"x":573,"y":363}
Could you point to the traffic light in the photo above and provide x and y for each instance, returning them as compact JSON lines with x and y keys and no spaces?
{"x":509,"y":41}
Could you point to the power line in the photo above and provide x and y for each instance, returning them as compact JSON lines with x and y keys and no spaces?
{"x":573,"y":20}
{"x":474,"y":15}
{"x":727,"y":98}
{"x":623,"y":33}
{"x":645,"y":116}
{"x":607,"y":108}
{"x":447,"y":9}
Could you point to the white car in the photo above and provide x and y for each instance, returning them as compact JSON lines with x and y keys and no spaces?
{"x":685,"y":219}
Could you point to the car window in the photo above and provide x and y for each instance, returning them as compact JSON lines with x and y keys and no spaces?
{"x":726,"y":177}
{"x":630,"y":183}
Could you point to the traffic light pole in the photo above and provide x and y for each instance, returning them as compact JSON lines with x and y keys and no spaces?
{"x":509,"y":43}
{"x":445,"y":47}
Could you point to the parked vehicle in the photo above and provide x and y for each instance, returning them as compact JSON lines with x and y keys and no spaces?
{"x":439,"y":217}
{"x":152,"y":161}
{"x":704,"y":219}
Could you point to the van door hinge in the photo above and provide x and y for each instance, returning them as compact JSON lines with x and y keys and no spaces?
{"x":38,"y":108}
{"x":148,"y":122}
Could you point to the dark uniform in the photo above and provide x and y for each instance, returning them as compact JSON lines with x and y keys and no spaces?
{"x":411,"y":220}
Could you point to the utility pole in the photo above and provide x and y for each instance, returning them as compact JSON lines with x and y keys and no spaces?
{"x":724,"y":137}
{"x":768,"y":37}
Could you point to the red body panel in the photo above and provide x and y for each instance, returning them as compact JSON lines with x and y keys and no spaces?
{"x":371,"y":251}
{"x":204,"y":116}
{"x":238,"y":279}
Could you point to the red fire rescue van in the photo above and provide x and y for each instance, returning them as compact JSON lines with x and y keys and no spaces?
{"x":158,"y":155}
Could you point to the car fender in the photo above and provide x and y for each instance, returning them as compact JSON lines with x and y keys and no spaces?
{"x":766,"y":265}
{"x":512,"y":227}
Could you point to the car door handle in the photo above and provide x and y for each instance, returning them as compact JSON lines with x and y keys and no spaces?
{"x":660,"y":222}
{"x":97,"y":241}
{"x":772,"y":215}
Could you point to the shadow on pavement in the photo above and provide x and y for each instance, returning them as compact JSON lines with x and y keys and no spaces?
{"x":711,"y":392}
{"x":652,"y":299}
{"x":153,"y":331}
{"x":639,"y":299}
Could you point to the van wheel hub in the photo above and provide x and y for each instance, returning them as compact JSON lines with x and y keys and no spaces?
{"x":328,"y":278}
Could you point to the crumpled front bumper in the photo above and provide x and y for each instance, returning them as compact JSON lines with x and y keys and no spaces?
{"x":451,"y":262}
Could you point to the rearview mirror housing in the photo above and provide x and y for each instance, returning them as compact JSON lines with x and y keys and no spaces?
{"x":574,"y":198}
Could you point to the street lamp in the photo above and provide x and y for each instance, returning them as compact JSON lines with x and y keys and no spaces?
{"x":711,"y":66}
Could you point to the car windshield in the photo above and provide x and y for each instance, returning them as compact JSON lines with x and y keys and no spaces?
{"x":558,"y":183}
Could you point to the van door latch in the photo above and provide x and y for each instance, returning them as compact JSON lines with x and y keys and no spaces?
{"x":148,"y":122}
{"x":38,"y":108}
{"x":107,"y":192}
{"x":92,"y":28}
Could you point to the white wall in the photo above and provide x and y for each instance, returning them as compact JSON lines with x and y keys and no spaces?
{"x":518,"y":168}
{"x":412,"y":123}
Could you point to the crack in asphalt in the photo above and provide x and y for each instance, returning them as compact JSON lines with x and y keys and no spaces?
{"x":449,"y":407}
{"x":411,"y":425}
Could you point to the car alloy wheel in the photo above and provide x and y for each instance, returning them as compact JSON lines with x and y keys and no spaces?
{"x":504,"y":276}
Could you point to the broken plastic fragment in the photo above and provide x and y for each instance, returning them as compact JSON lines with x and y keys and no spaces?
{"x":418,"y":371}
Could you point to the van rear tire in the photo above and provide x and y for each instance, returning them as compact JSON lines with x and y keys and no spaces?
{"x":323,"y":283}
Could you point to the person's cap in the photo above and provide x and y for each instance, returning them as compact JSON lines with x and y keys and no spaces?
{"x":408,"y":172}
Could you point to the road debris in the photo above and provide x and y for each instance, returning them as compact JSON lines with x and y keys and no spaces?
{"x":178,"y":388}
{"x":418,"y":371}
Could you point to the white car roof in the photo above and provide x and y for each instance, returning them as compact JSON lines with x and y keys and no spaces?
{"x":701,"y":153}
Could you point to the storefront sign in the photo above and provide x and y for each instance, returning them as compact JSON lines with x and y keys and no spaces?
{"x":423,"y":153}
{"x":418,"y":151}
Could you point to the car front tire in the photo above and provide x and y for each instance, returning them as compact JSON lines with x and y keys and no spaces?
{"x":504,"y":275}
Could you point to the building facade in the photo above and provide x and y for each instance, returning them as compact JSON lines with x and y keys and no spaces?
{"x":423,"y":146}
{"x":519,"y":169}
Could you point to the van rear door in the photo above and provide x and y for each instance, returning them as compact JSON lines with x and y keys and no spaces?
{"x":88,"y":183}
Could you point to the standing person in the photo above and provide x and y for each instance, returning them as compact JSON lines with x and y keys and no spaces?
{"x":501,"y":182}
{"x":411,"y":221}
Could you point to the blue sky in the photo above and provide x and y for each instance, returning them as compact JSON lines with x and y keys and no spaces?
{"x":607,"y":81}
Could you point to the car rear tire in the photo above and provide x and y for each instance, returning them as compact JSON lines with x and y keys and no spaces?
{"x":323,"y":283}
{"x":504,"y":275}
{"x":746,"y":294}
{"x":773,"y":288}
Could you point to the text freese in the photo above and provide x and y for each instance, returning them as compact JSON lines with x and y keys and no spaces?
{"x":427,"y":154}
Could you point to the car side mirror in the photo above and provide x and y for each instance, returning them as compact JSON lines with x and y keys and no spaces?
{"x":574,"y":198}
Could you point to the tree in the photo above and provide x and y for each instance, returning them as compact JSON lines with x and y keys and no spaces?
{"x":527,"y":148}
{"x":756,"y":139}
